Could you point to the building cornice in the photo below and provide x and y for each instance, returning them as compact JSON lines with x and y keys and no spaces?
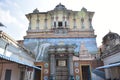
{"x":51,"y":34}
{"x":112,"y":51}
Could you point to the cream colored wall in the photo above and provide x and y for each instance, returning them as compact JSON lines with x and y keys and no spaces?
{"x":60,"y":14}
{"x":78,"y":21}
{"x":41,"y":21}
{"x":71,"y":21}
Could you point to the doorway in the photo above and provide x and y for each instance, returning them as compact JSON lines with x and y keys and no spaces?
{"x":38,"y":73}
{"x":86,"y":75}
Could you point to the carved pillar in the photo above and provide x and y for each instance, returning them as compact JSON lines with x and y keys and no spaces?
{"x":57,"y":21}
{"x":67,"y":22}
{"x":71,"y":74}
{"x":37,"y":22}
{"x":90,"y":22}
{"x":52,"y":67}
{"x":82,"y":20}
{"x":29,"y":28}
{"x":74,"y":20}
{"x":63,"y":21}
{"x":45,"y":24}
{"x":52,"y":22}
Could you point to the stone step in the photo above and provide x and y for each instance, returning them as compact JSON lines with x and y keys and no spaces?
{"x":62,"y":74}
{"x":61,"y":77}
{"x":61,"y":69}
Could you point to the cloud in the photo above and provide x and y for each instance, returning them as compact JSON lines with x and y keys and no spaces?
{"x":12,"y":17}
{"x":6,"y":17}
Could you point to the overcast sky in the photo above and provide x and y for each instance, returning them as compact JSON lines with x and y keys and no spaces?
{"x":106,"y":18}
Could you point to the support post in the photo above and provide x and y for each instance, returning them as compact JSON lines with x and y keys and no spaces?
{"x":71,"y":75}
{"x":52,"y":67}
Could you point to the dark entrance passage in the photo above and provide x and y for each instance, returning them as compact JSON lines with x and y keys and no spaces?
{"x":37,"y":75}
{"x":86,"y":72}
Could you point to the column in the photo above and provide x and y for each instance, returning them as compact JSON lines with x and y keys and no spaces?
{"x":74,"y":21}
{"x":82,"y":20}
{"x":52,"y":67}
{"x":37,"y":22}
{"x":63,"y":22}
{"x":29,"y":28}
{"x":90,"y":23}
{"x":52,"y":22}
{"x":71,"y":74}
{"x":56,"y":21}
{"x":67,"y":22}
{"x":45,"y":24}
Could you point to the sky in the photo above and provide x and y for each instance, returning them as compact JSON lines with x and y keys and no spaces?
{"x":105,"y":19}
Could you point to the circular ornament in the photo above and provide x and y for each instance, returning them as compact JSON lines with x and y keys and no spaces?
{"x":77,"y":77}
{"x":46,"y":65}
{"x":77,"y":70}
{"x":46,"y":71}
{"x":45,"y":77}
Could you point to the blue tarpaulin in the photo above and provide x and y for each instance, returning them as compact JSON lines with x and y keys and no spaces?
{"x":108,"y":66}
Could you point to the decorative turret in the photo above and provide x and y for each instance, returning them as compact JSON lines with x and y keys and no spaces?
{"x":36,"y":11}
{"x":110,"y":36}
{"x":110,"y":40}
{"x":60,"y":7}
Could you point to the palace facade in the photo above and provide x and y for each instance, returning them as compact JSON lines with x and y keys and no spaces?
{"x":60,"y":45}
{"x":64,"y":43}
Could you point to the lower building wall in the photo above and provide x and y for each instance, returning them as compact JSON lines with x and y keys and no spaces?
{"x":14,"y":71}
{"x":92,"y":64}
{"x":17,"y":71}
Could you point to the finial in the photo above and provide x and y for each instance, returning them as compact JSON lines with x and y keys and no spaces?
{"x":109,"y":31}
{"x":36,"y":11}
{"x":60,"y":3}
